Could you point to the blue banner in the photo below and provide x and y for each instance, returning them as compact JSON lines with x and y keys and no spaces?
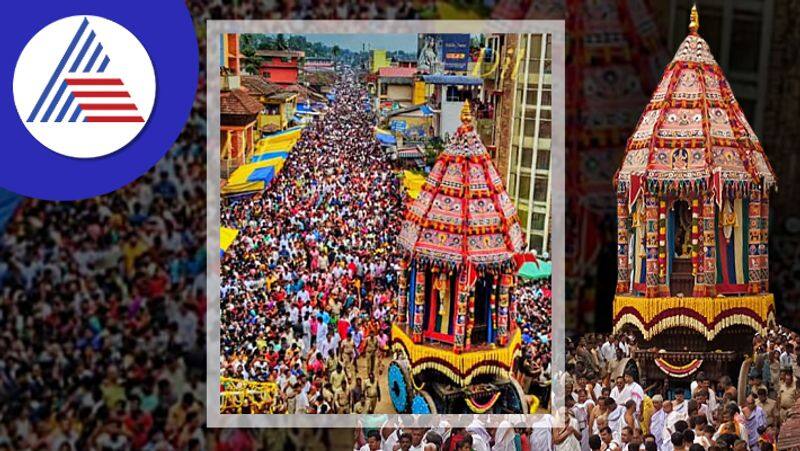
{"x":455,"y":51}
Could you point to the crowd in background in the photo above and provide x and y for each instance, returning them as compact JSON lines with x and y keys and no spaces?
{"x":102,"y":305}
{"x":534,"y":316}
{"x":308,"y":9}
{"x":615,"y":411}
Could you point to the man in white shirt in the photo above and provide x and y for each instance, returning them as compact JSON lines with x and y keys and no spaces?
{"x":609,"y":442}
{"x":616,"y":418}
{"x":680,"y":405}
{"x":656,"y":426}
{"x":609,"y":350}
{"x":673,"y":416}
{"x":636,"y":390}
{"x":301,"y":404}
{"x":617,"y":391}
{"x":541,"y":438}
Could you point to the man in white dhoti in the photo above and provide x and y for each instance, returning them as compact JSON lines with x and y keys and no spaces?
{"x":542,"y":433}
{"x":673,"y":416}
{"x":656,"y":426}
{"x":633,"y":391}
{"x":616,"y":418}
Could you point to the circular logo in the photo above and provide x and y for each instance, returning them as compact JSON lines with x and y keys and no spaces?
{"x":94,"y":94}
{"x":84,"y":86}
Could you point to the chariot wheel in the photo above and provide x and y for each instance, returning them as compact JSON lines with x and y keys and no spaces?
{"x":400,"y":386}
{"x":741,"y":386}
{"x":423,"y":403}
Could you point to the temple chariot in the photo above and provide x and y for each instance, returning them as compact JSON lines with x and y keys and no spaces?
{"x":693,"y":214}
{"x":455,"y":339}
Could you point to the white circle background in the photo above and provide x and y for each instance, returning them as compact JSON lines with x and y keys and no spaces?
{"x":129,"y":61}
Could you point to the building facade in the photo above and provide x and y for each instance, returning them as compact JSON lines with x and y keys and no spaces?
{"x":521,"y":95}
{"x":281,"y":66}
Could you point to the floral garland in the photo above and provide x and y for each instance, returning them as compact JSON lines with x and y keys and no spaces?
{"x":235,"y":393}
{"x":461,"y":367}
{"x":708,"y":316}
{"x":678,"y":371}
{"x":482,"y":408}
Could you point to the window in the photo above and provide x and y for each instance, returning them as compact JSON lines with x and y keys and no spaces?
{"x":530,"y":127}
{"x":540,"y":188}
{"x":457,"y":94}
{"x":748,"y":27}
{"x":536,"y":45}
{"x":547,"y":97}
{"x":524,"y":186}
{"x":527,"y":157}
{"x":537,"y":221}
{"x":536,"y":242}
{"x":384,"y":89}
{"x":523,"y":217}
{"x":545,"y":129}
{"x":514,"y":152}
{"x":548,"y":51}
{"x":543,"y":159}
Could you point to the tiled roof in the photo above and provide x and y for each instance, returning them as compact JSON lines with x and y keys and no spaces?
{"x":238,"y":102}
{"x":405,"y":72}
{"x":281,"y":53}
{"x":258,"y":85}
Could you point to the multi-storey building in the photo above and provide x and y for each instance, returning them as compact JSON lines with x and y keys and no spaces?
{"x":519,"y":88}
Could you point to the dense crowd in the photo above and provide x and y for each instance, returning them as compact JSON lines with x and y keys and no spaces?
{"x":308,"y":9}
{"x":308,"y":287}
{"x":614,"y":411}
{"x":101,"y":315}
{"x":513,"y":433}
{"x":535,"y":311}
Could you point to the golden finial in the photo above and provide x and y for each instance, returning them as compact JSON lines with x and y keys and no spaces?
{"x":466,"y":113}
{"x":466,"y":119}
{"x":694,"y":19}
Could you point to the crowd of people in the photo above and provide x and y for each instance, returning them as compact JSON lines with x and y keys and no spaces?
{"x":308,"y":9}
{"x":534,"y":316}
{"x":308,"y":286}
{"x":614,"y":411}
{"x":101,"y":315}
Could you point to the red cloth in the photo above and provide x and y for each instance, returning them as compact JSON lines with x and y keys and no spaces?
{"x":343,"y":326}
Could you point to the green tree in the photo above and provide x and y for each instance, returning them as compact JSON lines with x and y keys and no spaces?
{"x":251,"y":61}
{"x":280,"y":42}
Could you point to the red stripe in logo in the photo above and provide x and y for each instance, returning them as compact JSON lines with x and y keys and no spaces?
{"x":101,"y":94}
{"x":114,"y":119}
{"x":93,"y":81}
{"x":108,"y":106}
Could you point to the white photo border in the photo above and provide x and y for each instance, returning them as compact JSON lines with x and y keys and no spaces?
{"x":214,"y":28}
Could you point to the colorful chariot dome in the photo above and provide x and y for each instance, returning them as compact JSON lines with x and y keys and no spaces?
{"x":693,"y":134}
{"x":463,"y":213}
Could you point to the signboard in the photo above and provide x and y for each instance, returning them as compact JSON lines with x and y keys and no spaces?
{"x":398,"y":126}
{"x":440,"y":53}
{"x":455,"y":51}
